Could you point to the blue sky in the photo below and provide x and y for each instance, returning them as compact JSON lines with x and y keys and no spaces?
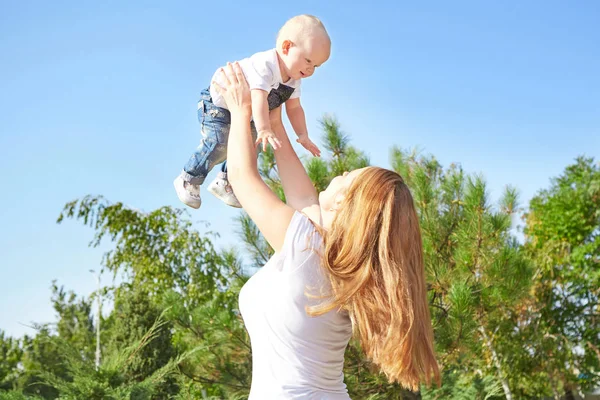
{"x":100,"y":98}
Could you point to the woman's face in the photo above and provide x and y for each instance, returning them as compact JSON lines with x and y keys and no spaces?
{"x":337,"y":188}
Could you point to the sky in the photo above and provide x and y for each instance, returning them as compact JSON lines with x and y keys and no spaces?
{"x":100,"y":98}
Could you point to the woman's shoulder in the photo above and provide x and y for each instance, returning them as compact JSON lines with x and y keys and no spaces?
{"x":313,"y":213}
{"x":302,"y":234}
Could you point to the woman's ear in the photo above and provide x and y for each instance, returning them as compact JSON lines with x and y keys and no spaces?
{"x":338,"y":200}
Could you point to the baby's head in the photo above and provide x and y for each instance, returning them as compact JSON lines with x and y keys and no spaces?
{"x":303,"y":45}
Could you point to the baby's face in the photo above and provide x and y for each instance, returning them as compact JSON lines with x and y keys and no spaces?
{"x":302,"y":58}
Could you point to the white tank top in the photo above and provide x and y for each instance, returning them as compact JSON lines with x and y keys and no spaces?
{"x":294,"y":356}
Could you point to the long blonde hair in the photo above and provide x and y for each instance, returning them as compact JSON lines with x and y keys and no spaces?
{"x":374,"y":258}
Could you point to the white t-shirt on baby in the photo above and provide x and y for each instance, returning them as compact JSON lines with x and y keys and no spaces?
{"x":262,"y":72}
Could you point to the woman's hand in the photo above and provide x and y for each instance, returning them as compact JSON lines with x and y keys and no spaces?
{"x":236,"y":91}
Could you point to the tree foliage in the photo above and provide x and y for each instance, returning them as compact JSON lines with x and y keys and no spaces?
{"x":511,"y":319}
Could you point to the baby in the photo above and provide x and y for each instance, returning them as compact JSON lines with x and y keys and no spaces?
{"x":274,"y":77}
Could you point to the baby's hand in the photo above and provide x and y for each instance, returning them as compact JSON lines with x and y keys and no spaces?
{"x":309,"y":145}
{"x":267,"y":136}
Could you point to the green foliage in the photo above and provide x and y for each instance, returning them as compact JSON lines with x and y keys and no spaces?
{"x":509,"y":319}
{"x":32,"y":357}
{"x":133,"y":315}
{"x":112,"y":379}
{"x":41,"y":354}
{"x":167,"y":261}
{"x":158,"y":250}
{"x":563,"y":237}
{"x":464,"y":385}
{"x":221,"y":364}
{"x":17,"y":395}
{"x":75,"y":324}
{"x":476,"y":272}
{"x":11,"y":354}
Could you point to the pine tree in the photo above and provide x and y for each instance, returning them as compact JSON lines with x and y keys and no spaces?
{"x":477,"y":273}
{"x":112,"y":380}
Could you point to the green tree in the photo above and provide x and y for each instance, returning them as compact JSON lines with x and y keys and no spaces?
{"x":58,"y":362}
{"x":75,"y":322}
{"x":17,"y":395}
{"x":159,"y":250}
{"x":563,"y":237}
{"x":162,"y":256}
{"x":116,"y":378}
{"x":133,"y":315}
{"x":11,"y":355}
{"x":221,"y":365}
{"x":41,"y":354}
{"x":477,"y":273}
{"x":502,"y":328}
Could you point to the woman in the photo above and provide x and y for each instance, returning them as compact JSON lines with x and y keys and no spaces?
{"x":346,"y":260}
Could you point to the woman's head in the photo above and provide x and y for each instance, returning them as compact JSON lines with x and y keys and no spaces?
{"x":331,"y":198}
{"x":374,"y":257}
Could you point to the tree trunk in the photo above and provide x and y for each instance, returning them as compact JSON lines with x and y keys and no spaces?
{"x":497,"y":364}
{"x":569,"y":394}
